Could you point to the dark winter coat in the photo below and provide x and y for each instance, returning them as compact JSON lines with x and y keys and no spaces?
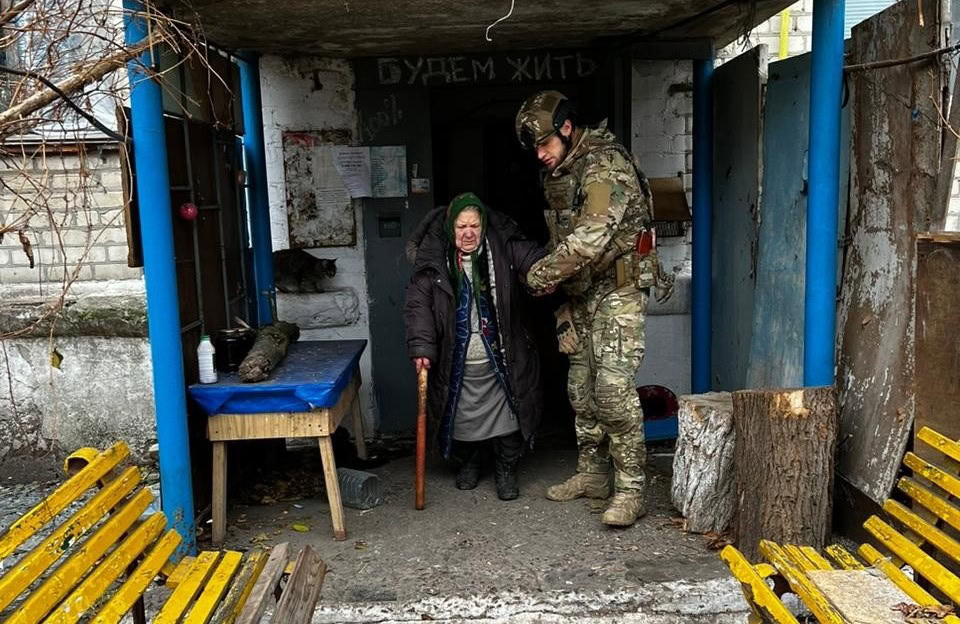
{"x":430,"y":314}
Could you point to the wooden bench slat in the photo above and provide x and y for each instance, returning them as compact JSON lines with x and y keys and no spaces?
{"x":943,"y":542}
{"x":213,"y":591}
{"x":919,"y":595}
{"x":928,"y":471}
{"x":97,"y":582}
{"x":947,"y":512}
{"x":816,"y":558}
{"x":57,"y":501}
{"x":188,"y":586}
{"x":36,"y":562}
{"x":263,"y":589}
{"x":137,"y":583}
{"x":759,"y":596}
{"x":43,"y":599}
{"x":232,"y":604}
{"x":302,"y":590}
{"x":940,"y":442}
{"x":920,"y":561}
{"x":842,"y":557}
{"x":176,"y":573}
{"x":800,"y":584}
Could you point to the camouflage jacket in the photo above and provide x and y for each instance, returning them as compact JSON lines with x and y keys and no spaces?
{"x":599,"y":202}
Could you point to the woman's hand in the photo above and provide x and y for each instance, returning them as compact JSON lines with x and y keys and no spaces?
{"x":421,"y":363}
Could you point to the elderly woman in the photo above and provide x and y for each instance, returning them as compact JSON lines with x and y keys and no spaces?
{"x":465,"y":323}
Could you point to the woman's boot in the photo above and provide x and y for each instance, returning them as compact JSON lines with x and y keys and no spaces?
{"x":506,"y":452}
{"x":467,"y":456}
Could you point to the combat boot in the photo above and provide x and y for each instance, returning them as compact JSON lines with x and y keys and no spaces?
{"x":467,"y":455}
{"x":624,"y":509}
{"x":591,"y":485}
{"x":507,"y":450}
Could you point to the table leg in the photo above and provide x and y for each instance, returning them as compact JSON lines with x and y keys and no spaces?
{"x":219,"y":502}
{"x":333,"y":488}
{"x":358,"y":428}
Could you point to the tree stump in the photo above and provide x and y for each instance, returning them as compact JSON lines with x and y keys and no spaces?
{"x":267,"y":351}
{"x":704,"y":483}
{"x":784,"y":459}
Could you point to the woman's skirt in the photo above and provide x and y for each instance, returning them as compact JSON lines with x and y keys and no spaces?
{"x":484,"y":410}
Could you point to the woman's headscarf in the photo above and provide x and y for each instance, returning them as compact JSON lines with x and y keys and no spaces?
{"x":462,"y":202}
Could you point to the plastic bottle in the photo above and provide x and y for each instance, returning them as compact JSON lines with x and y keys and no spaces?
{"x":205,"y":353}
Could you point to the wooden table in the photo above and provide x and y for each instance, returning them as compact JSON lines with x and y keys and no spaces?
{"x":307,"y":396}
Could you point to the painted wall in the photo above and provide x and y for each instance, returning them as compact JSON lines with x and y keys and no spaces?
{"x":311,"y":94}
{"x":662,"y":141}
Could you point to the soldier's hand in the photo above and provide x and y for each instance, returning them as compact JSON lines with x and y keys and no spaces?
{"x":566,"y":334}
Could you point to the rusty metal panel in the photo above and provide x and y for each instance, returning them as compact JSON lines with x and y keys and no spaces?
{"x":319,"y":209}
{"x":895,"y":142}
{"x":938,"y":348}
{"x":738,"y":87}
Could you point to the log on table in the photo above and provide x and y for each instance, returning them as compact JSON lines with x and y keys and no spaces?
{"x":703,"y":488}
{"x":267,"y":351}
{"x":784,"y":460}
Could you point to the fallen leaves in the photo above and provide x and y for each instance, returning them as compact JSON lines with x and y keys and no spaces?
{"x":917,"y":612}
{"x":299,"y":527}
{"x":715,"y":540}
{"x":56,"y":358}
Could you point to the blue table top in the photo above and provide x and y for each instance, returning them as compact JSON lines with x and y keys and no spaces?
{"x":313,"y":375}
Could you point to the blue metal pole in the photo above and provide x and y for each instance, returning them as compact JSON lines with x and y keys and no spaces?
{"x":259,"y":208}
{"x":702,"y":223}
{"x":163,"y":313}
{"x":819,"y":320}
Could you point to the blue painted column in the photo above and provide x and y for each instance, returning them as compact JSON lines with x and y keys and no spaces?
{"x":702,"y":223}
{"x":819,"y":320}
{"x":163,"y":312}
{"x":259,"y":208}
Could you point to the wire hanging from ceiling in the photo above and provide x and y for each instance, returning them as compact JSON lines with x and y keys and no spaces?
{"x":505,"y":17}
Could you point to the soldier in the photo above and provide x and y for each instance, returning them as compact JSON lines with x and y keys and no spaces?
{"x":602,"y":256}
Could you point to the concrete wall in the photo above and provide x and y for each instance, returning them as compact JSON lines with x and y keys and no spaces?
{"x":662,"y":141}
{"x":311,"y":95}
{"x":102,"y":391}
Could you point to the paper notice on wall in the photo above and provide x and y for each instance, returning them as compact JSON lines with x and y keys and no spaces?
{"x":388,"y":170}
{"x":353,"y":165}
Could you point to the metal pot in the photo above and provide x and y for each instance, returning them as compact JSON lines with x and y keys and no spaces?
{"x":232,"y":346}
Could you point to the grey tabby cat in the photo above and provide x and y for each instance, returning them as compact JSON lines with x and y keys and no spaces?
{"x":297,"y":271}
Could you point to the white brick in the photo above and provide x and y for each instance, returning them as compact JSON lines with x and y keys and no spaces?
{"x":79,"y":237}
{"x":804,"y":24}
{"x":798,"y":44}
{"x":4,"y":257}
{"x":116,"y":271}
{"x":112,"y":234}
{"x":952,"y":225}
{"x":117,"y":253}
{"x":55,"y":273}
{"x":955,"y":188}
{"x":94,"y":254}
{"x":19,"y":275}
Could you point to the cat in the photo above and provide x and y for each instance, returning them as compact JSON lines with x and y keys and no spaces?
{"x":297,"y":271}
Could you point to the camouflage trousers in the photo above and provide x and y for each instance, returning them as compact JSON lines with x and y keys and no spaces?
{"x":609,"y":421}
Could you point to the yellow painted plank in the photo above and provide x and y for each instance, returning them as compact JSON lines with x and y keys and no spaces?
{"x":933,"y":474}
{"x":943,"y":542}
{"x":187,"y":588}
{"x":236,"y":598}
{"x":137,"y":583}
{"x":763,"y":602}
{"x":87,"y":594}
{"x":765,"y":570}
{"x":798,"y":558}
{"x":72,"y":571}
{"x":920,"y":561}
{"x":63,"y":539}
{"x":57,"y":501}
{"x":919,"y":595}
{"x":816,"y":558}
{"x":945,"y":511}
{"x":800,"y":584}
{"x":176,"y":573}
{"x":214,"y":589}
{"x":842,"y":557}
{"x":940,"y":442}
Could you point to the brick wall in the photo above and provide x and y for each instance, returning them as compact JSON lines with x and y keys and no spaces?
{"x":77,"y":226}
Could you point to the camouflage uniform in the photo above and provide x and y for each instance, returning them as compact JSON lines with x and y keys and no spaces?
{"x":600,"y":203}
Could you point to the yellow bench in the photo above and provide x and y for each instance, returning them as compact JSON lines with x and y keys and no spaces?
{"x":791,"y":567}
{"x":75,"y":572}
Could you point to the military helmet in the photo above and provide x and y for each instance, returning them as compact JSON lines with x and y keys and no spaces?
{"x":540,"y":116}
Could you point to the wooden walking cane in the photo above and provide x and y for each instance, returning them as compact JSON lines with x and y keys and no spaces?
{"x":420,"y":477}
